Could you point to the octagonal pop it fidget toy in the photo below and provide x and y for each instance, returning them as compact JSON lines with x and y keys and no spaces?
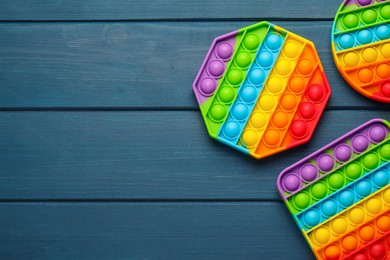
{"x":361,"y":46}
{"x":261,"y":89}
{"x":339,"y":196}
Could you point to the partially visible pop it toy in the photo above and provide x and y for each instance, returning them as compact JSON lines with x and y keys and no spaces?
{"x":339,"y":196}
{"x":361,"y":46}
{"x":261,"y":89}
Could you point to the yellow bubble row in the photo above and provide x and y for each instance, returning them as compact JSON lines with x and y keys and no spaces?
{"x":271,"y":94}
{"x":349,"y":219}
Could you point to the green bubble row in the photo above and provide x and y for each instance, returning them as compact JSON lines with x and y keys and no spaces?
{"x":334,"y":181}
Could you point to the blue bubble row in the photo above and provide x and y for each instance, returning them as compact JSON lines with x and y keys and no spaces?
{"x":362,"y":37}
{"x":345,"y":197}
{"x":250,"y":89}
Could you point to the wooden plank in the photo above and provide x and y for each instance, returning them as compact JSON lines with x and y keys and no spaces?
{"x":22,"y":10}
{"x":119,"y":65}
{"x":149,"y":231}
{"x":140,"y":155}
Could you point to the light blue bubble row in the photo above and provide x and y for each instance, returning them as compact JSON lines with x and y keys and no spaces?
{"x":250,"y":89}
{"x":362,"y":37}
{"x":345,"y":197}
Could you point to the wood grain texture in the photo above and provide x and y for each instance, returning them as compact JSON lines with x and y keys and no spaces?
{"x":141,"y":155}
{"x":170,"y":9}
{"x":119,"y":65}
{"x":149,"y":231}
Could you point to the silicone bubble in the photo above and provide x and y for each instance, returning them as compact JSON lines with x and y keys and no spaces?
{"x":262,"y":89}
{"x":360,"y":30}
{"x":341,"y":195}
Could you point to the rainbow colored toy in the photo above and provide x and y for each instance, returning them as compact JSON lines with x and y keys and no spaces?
{"x":261,"y":89}
{"x":361,"y":46}
{"x":339,"y":196}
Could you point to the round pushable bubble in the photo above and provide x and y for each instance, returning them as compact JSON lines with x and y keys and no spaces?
{"x":386,"y":196}
{"x":234,"y":76}
{"x":325,"y":162}
{"x":371,"y":161}
{"x":250,"y":138}
{"x":383,"y":223}
{"x":385,"y":11}
{"x":307,"y":110}
{"x":216,"y":68}
{"x":316,"y":93}
{"x":342,"y":152}
{"x":360,"y":256}
{"x":332,"y":252}
{"x":273,"y":41}
{"x":280,"y":119}
{"x":312,"y":218}
{"x":346,"y":198}
{"x":350,"y":243}
{"x":336,"y":180}
{"x":275,"y":85}
{"x":382,"y":32}
{"x":207,"y":86}
{"x":267,"y":102}
{"x":299,"y":129}
{"x":291,"y":49}
{"x":231,"y":129}
{"x":289,"y":101}
{"x":385,"y":89}
{"x":366,"y":75}
{"x":369,"y":54}
{"x":365,"y":36}
{"x":249,"y":94}
{"x":351,"y":59}
{"x":243,"y":59}
{"x":369,"y":16}
{"x":308,"y":172}
{"x":301,"y":200}
{"x":297,"y":84}
{"x":218,"y":112}
{"x":359,"y":143}
{"x":374,"y":205}
{"x":265,"y":59}
{"x":363,"y":2}
{"x":322,"y":235}
{"x":283,"y":67}
{"x":240,"y":111}
{"x":346,"y":41}
{"x":305,"y":67}
{"x":258,"y":120}
{"x":363,"y":188}
{"x":353,"y":171}
{"x":384,"y":151}
{"x":257,"y":76}
{"x":377,"y":133}
{"x":383,"y":71}
{"x":291,"y":182}
{"x":339,"y":225}
{"x":356,"y":215}
{"x":251,"y":42}
{"x":350,"y":21}
{"x":319,"y":190}
{"x":329,"y":207}
{"x":224,"y":50}
{"x":385,"y":50}
{"x":226,"y":94}
{"x":367,"y":233}
{"x":271,"y":137}
{"x":378,"y":251}
{"x":380,"y":178}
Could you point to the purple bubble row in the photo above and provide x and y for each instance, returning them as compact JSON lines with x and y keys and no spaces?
{"x":215,"y":68}
{"x":292,"y":182}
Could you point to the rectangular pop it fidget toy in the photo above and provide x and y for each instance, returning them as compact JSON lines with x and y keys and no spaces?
{"x":339,"y":196}
{"x":261,"y":89}
{"x":361,"y":46}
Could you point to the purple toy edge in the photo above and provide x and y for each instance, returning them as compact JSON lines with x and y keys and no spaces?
{"x":200,"y":98}
{"x":278,"y":182}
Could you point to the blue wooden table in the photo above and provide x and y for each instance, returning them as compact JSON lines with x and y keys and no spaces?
{"x":103,"y":152}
